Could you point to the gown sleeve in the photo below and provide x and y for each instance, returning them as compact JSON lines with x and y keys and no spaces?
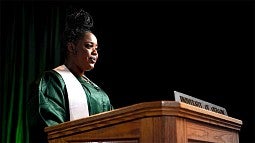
{"x":46,"y":105}
{"x":52,"y":100}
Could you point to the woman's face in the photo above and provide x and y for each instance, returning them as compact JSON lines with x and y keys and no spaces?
{"x":86,"y":49}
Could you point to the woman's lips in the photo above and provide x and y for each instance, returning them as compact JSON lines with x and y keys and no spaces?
{"x":93,"y":59}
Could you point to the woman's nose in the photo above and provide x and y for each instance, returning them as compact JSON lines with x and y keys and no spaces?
{"x":94,"y":51}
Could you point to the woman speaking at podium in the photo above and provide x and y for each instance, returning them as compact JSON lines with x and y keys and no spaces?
{"x":65,"y":93}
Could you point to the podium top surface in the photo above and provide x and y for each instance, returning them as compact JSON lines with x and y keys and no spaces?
{"x":152,"y":109}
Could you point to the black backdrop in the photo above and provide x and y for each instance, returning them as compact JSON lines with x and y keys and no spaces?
{"x":148,"y":49}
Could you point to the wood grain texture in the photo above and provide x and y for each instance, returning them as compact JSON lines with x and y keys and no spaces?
{"x":150,"y":122}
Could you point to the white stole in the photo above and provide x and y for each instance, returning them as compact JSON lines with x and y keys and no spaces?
{"x":78,"y":105}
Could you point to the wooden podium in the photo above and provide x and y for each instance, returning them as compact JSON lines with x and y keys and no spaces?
{"x":149,"y":122}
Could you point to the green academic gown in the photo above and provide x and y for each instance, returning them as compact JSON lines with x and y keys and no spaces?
{"x":49,"y":106}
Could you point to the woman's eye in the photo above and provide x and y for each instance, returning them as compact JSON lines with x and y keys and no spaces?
{"x":88,"y":45}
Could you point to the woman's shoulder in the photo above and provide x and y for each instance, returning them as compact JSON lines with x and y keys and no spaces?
{"x":51,"y":73}
{"x":51,"y":76}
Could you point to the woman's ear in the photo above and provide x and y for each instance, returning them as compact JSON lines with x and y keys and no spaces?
{"x":71,"y":48}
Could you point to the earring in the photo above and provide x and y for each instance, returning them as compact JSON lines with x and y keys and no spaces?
{"x":74,"y":50}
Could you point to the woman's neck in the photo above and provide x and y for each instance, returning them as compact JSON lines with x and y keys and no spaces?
{"x":76,"y":71}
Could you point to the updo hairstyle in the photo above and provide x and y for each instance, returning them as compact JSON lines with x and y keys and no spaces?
{"x":77,"y":23}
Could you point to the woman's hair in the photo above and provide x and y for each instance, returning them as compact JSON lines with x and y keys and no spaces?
{"x":77,"y":23}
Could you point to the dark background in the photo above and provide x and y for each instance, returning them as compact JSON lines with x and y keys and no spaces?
{"x":148,"y":49}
